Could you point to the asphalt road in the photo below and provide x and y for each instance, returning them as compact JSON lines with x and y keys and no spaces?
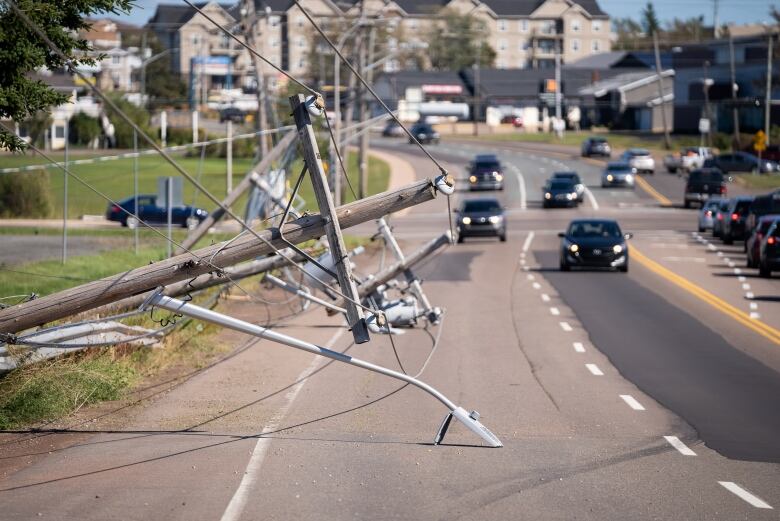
{"x":617,"y":396}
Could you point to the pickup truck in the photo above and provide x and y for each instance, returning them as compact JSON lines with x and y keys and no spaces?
{"x":702,"y":184}
{"x":687,"y":159}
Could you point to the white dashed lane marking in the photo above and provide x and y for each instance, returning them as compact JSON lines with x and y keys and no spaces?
{"x":594,"y":369}
{"x":565,"y":326}
{"x":555,"y":311}
{"x":632,"y":402}
{"x":745,"y":495}
{"x":681,"y":447}
{"x":536,"y":285}
{"x":545,"y":297}
{"x":579,"y":347}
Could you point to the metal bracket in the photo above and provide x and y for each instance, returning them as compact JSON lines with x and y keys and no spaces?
{"x":200,"y":313}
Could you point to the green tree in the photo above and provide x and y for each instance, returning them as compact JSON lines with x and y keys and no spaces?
{"x":650,"y":23}
{"x":162,"y":86}
{"x":22,"y":52}
{"x":687,"y":30}
{"x":83,"y":129}
{"x":629,"y":34}
{"x":458,"y":42}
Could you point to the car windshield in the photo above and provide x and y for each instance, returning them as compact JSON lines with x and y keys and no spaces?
{"x":712,"y":205}
{"x":566,"y":175}
{"x":594,"y":229}
{"x":422,"y":128}
{"x":561,"y":184}
{"x":598,"y":140}
{"x":638,"y":152}
{"x":702,"y":176}
{"x":742,"y":207}
{"x":487,"y":165}
{"x":481,"y":206}
{"x":618,"y":168}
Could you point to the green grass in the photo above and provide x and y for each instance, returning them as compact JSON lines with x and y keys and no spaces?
{"x":575,"y":139}
{"x":115,"y":179}
{"x":763,"y":182}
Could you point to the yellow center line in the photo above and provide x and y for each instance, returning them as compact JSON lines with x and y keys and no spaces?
{"x":655,"y":194}
{"x":743,"y":318}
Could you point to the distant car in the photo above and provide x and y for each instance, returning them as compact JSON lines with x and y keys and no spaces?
{"x":424,"y":133}
{"x":594,"y":243}
{"x":515,"y":121}
{"x":640,"y":159}
{"x":559,"y":192}
{"x":702,"y":184}
{"x":149,"y":212}
{"x":743,"y":162}
{"x":233,"y":114}
{"x":393,"y":129}
{"x":718,"y":217}
{"x":687,"y":159}
{"x":618,"y":173}
{"x":769,"y":259}
{"x":763,"y":205}
{"x":753,"y":243}
{"x":575,"y":178}
{"x":481,"y":218}
{"x":707,"y":214}
{"x":734,"y":219}
{"x":486,"y":173}
{"x":596,"y":146}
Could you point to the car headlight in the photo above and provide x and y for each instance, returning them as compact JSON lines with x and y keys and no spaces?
{"x":609,"y":177}
{"x":574,"y":195}
{"x":568,"y":197}
{"x":473,"y":179}
{"x":547,"y":195}
{"x":499,"y":177}
{"x":618,"y":248}
{"x":629,"y":178}
{"x":466,"y":220}
{"x":574,"y":248}
{"x":494,"y":219}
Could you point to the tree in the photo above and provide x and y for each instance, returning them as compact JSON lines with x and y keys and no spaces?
{"x":458,"y":42}
{"x":162,"y":86}
{"x":629,"y":34}
{"x":22,"y":52}
{"x":650,"y":22}
{"x":687,"y":30}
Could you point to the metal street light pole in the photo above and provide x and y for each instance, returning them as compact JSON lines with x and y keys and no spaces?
{"x":768,"y":100}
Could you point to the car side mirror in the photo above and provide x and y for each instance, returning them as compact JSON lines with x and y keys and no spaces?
{"x":628,"y":235}
{"x":561,"y":234}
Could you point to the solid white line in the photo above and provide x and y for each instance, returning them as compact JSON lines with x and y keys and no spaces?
{"x":527,"y":243}
{"x":579,"y":347}
{"x":594,"y":369}
{"x":555,"y":311}
{"x":237,"y":504}
{"x":631,"y":401}
{"x":591,"y":198}
{"x":521,"y":183}
{"x":530,"y":277}
{"x":746,"y":286}
{"x":536,"y":285}
{"x":545,"y":297}
{"x":745,"y":495}
{"x":675,"y":442}
{"x":565,"y":326}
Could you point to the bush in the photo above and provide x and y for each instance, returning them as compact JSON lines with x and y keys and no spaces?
{"x":83,"y":129}
{"x":25,"y":194}
{"x":123,"y":131}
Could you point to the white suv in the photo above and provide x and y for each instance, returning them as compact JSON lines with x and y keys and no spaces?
{"x":640,"y":159}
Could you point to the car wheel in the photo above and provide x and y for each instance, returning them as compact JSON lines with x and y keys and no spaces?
{"x":191,"y":223}
{"x":671,"y":170}
{"x":565,"y":266}
{"x":460,"y":239}
{"x":727,"y":239}
{"x":701,"y":229}
{"x":502,"y":237}
{"x":687,"y":204}
{"x":131,"y":222}
{"x":764,"y":271}
{"x":623,"y":268}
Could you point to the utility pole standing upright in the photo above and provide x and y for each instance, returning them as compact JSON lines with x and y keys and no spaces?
{"x":734,"y":110}
{"x":249,"y":24}
{"x":768,"y":100}
{"x":558,"y":112}
{"x":477,"y":100}
{"x":658,"y":71}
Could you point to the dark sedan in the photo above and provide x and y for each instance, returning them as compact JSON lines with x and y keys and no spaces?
{"x":559,"y":192}
{"x":733,"y":225}
{"x":753,"y":243}
{"x":481,"y":218}
{"x":149,"y":212}
{"x":424,"y":133}
{"x":770,"y":251}
{"x":742,"y":162}
{"x":596,"y":146}
{"x":486,"y":173}
{"x":597,"y":243}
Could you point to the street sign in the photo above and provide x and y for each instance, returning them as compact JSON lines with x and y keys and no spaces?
{"x":759,"y":141}
{"x":176,"y":192}
{"x":704,"y":126}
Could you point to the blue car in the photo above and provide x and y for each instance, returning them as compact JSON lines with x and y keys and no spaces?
{"x":149,"y":212}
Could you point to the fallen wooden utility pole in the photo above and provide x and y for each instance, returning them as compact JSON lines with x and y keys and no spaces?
{"x":233,"y":196}
{"x":186,"y":266}
{"x":208,"y":280}
{"x":392,"y":271}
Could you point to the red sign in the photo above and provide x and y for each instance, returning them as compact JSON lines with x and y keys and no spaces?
{"x":442,"y":89}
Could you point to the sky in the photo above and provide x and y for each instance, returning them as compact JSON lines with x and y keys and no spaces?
{"x":731,"y":11}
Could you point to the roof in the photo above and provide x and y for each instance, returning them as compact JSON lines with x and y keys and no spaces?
{"x":524,"y":83}
{"x":173,"y":16}
{"x":622,"y":82}
{"x":56,"y":80}
{"x":622,"y":60}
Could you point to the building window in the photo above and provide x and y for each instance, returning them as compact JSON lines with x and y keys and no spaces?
{"x":300,"y":21}
{"x":59,"y":131}
{"x":524,"y":26}
{"x":302,"y":63}
{"x":524,"y":45}
{"x":115,"y":60}
{"x":273,"y":21}
{"x":224,"y":41}
{"x":547,"y":27}
{"x":301,"y":42}
{"x":575,"y":45}
{"x":274,"y":42}
{"x":502,"y":25}
{"x":575,"y":26}
{"x":595,"y":45}
{"x":502,"y":45}
{"x":596,"y":26}
{"x":412,"y":24}
{"x":195,"y":39}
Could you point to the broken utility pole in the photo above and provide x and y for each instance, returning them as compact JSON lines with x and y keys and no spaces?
{"x":319,"y":181}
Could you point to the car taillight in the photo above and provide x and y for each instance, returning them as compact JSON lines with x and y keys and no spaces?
{"x":114,"y":208}
{"x":723,"y":189}
{"x":734,"y":216}
{"x":770,"y":240}
{"x":709,"y":213}
{"x":720,"y":216}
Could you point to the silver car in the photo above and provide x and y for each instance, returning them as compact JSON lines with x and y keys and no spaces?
{"x":640,"y":159}
{"x":707,"y":214}
{"x":618,"y":174}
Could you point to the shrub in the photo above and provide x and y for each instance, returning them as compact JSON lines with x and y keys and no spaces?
{"x":123,"y":131}
{"x":25,"y":194}
{"x":83,"y":129}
